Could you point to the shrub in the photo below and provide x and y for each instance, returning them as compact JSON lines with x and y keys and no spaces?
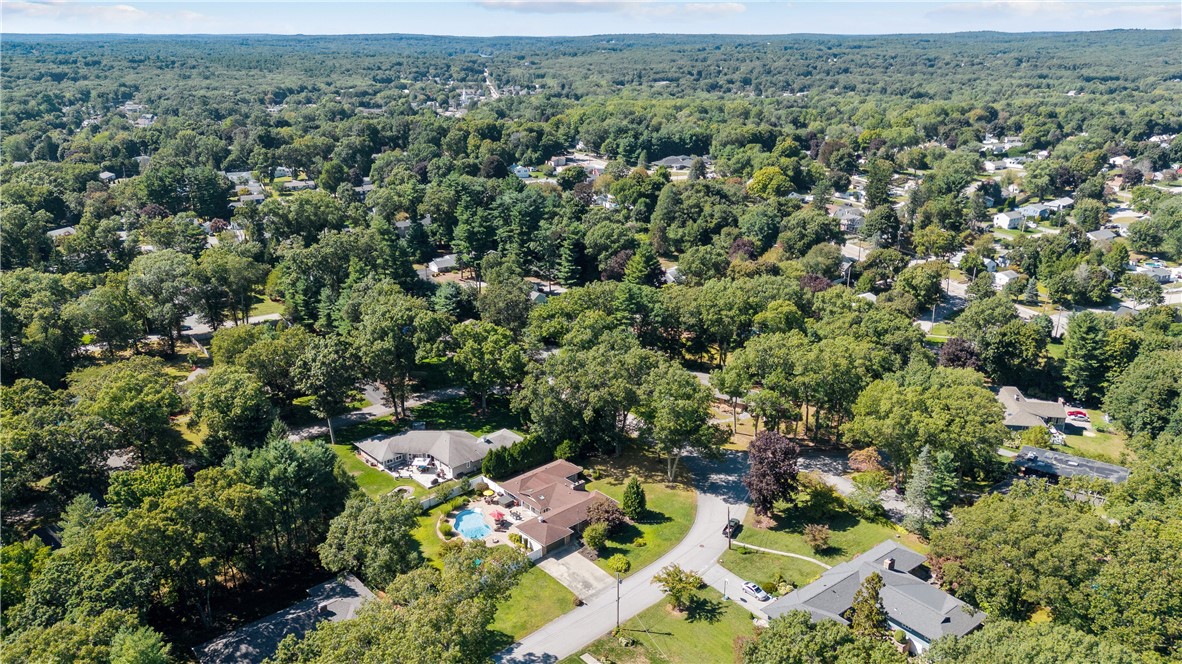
{"x":900,"y":636}
{"x":619,"y":564}
{"x":866,"y":460}
{"x":446,"y":530}
{"x":634,"y":502}
{"x":595,"y":535}
{"x":769,"y":587}
{"x":568,"y":449}
{"x":817,"y":536}
{"x":606,"y":511}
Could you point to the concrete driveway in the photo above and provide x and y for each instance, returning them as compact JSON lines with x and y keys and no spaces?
{"x":581,"y":576}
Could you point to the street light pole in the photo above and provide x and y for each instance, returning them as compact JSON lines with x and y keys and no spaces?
{"x":728,"y":528}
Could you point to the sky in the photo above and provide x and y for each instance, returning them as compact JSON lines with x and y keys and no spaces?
{"x":580,"y":17}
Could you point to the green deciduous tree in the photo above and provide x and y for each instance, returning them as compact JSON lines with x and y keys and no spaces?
{"x":795,"y":638}
{"x":486,"y":358}
{"x":675,"y":409}
{"x":679,"y":584}
{"x":328,"y":370}
{"x":373,"y":539}
{"x":232,"y":405}
{"x":135,"y":397}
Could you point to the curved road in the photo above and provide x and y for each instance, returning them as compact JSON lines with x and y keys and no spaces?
{"x":720,"y":494}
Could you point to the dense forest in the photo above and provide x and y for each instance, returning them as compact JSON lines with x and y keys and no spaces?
{"x":153,"y":185}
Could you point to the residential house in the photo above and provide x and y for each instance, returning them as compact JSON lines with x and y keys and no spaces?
{"x":555,"y":162}
{"x":59,"y":233}
{"x":1057,"y":465}
{"x":449,"y":453}
{"x":1011,"y":220}
{"x":1060,"y":204}
{"x":444,"y":264}
{"x":673,"y":275}
{"x":1034,"y":211}
{"x":299,"y":185}
{"x":1102,"y":235}
{"x":1017,"y":163}
{"x":402,"y":227}
{"x":1023,"y":413}
{"x":676,"y":163}
{"x":1000,"y":279}
{"x":538,"y":297}
{"x":1161,"y":275}
{"x":333,"y":601}
{"x":107,"y":177}
{"x":521,"y":171}
{"x":850,"y":219}
{"x":993,"y":166}
{"x":921,"y":610}
{"x":557,"y":497}
{"x":1120,"y":161}
{"x":283,"y":172}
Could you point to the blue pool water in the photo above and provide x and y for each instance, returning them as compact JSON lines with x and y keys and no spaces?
{"x":471,"y":525}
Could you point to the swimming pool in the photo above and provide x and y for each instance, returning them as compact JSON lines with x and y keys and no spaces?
{"x":471,"y":525}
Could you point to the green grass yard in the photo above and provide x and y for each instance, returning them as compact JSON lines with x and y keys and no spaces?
{"x":462,"y":414}
{"x":372,"y":481}
{"x":661,"y":636}
{"x":265,"y":307}
{"x":671,"y":507}
{"x":534,"y":601}
{"x":762,"y":568}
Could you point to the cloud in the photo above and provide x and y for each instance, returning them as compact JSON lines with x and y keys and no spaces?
{"x":1060,"y":8}
{"x":636,"y":8}
{"x":105,"y":16}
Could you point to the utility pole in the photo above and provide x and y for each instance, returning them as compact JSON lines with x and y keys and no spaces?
{"x":617,"y":602}
{"x":728,"y":528}
{"x":724,"y":597}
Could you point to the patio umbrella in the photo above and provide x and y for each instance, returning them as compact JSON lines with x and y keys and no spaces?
{"x":497,"y":515}
{"x":489,"y":492}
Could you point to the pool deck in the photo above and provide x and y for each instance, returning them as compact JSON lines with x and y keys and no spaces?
{"x":495,"y":537}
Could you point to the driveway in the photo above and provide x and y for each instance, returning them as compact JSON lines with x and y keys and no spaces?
{"x":581,"y":576}
{"x":720,"y":494}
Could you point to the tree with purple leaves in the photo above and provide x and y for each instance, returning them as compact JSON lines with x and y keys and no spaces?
{"x":772,"y":475}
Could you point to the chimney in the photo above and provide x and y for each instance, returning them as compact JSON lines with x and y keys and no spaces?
{"x":889,"y":564}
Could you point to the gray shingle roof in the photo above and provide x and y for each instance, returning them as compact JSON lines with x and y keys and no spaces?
{"x":1023,"y":412}
{"x":452,"y":448}
{"x":333,"y":600}
{"x":909,"y":601}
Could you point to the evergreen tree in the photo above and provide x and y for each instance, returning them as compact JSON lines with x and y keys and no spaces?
{"x":570,"y":265}
{"x":643,"y":268}
{"x":869,"y":617}
{"x":1085,"y":372}
{"x":1031,"y":294}
{"x":697,"y":169}
{"x":634,"y":502}
{"x":944,"y":485}
{"x":919,"y":484}
{"x":878,"y":181}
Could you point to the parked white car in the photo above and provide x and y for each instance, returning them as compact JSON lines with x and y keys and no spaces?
{"x":755,"y":591}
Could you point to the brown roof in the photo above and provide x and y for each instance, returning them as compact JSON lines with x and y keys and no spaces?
{"x":542,"y":532}
{"x":542,"y":488}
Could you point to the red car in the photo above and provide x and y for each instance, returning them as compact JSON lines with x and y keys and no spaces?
{"x":1077,"y":414}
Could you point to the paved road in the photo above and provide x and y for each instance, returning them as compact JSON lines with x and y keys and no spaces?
{"x":719,"y":495}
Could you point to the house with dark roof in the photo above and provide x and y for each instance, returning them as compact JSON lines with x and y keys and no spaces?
{"x":1023,"y":413}
{"x":921,"y":610}
{"x":1057,"y":465}
{"x":451,"y":453}
{"x":557,"y":497}
{"x":333,"y":600}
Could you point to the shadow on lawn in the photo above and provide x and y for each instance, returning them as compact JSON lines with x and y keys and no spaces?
{"x":462,"y":414}
{"x":642,"y":464}
{"x":703,"y":609}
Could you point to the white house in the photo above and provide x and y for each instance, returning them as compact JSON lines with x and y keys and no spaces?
{"x":1060,"y":204}
{"x":1008,"y":220}
{"x":521,"y":171}
{"x":107,"y":176}
{"x":447,"y":453}
{"x":1000,"y":279}
{"x":444,"y":264}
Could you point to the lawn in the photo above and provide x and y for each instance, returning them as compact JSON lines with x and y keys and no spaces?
{"x":372,"y":481}
{"x":671,"y":507}
{"x":424,"y":533}
{"x":1101,"y":446}
{"x":849,"y":533}
{"x":300,"y":412}
{"x":705,"y":633}
{"x":266,"y":306}
{"x":462,"y":414}
{"x":762,"y":568}
{"x":534,"y":601}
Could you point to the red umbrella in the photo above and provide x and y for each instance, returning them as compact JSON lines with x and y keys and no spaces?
{"x":497,"y":515}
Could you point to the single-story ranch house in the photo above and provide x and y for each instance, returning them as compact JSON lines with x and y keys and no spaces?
{"x":453,"y":453}
{"x":333,"y":600}
{"x":558,"y":498}
{"x":1023,"y":413}
{"x":922,"y":611}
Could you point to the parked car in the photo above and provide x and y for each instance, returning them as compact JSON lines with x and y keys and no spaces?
{"x":755,"y":591}
{"x":731,"y":528}
{"x":1078,"y":415}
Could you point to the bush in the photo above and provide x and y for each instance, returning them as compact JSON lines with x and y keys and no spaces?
{"x":817,"y":536}
{"x":634,"y":502}
{"x":769,"y":587}
{"x":1037,"y":437}
{"x":900,"y":636}
{"x":568,"y":449}
{"x":619,"y":564}
{"x":595,"y":535}
{"x":606,"y":511}
{"x":446,"y":530}
{"x":865,"y":460}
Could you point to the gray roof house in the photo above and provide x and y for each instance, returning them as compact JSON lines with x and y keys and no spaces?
{"x":1008,"y":220}
{"x":923,"y":611}
{"x":1102,"y":235}
{"x":1049,"y":463}
{"x":402,"y":227}
{"x":444,"y":264}
{"x":1023,"y":413}
{"x":452,"y":452}
{"x":334,"y":600}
